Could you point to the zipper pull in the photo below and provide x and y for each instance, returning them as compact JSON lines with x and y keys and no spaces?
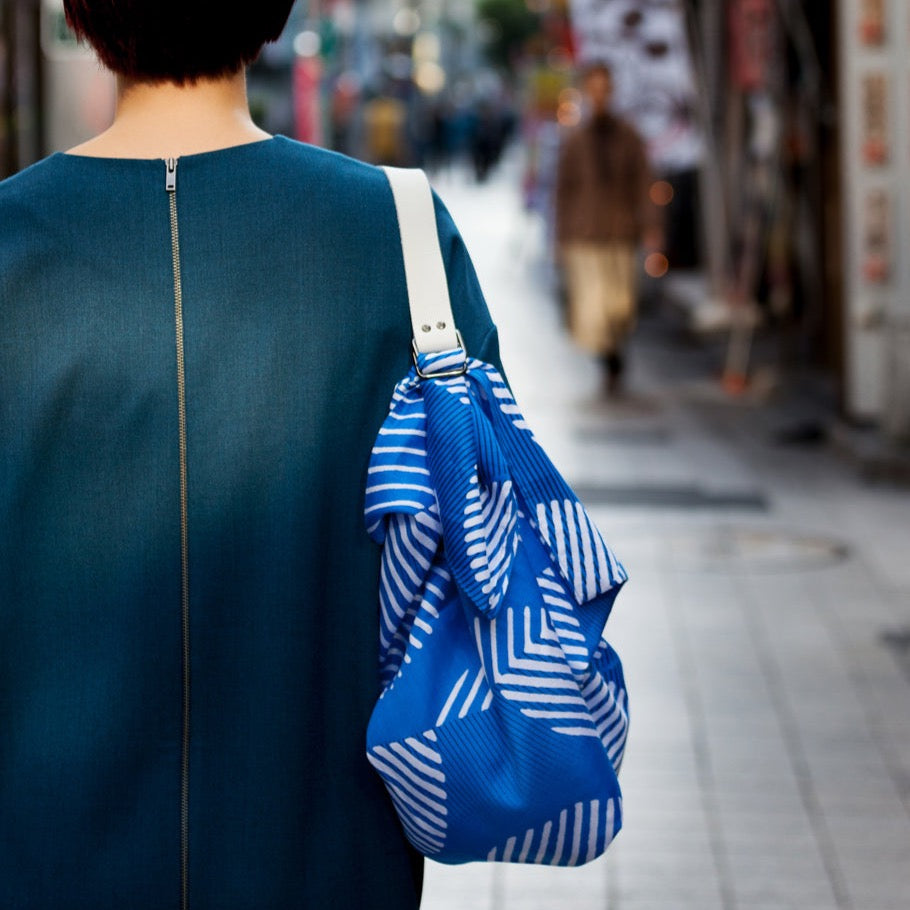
{"x":170,"y":183}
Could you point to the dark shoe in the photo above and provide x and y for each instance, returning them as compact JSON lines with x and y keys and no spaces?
{"x":613,"y":366}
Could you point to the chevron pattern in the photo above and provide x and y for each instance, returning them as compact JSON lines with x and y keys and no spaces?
{"x":527,"y":665}
{"x":413,"y":774}
{"x":490,"y":672}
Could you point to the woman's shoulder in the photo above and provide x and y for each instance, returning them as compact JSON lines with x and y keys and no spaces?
{"x":35,"y":180}
{"x":30,"y":201}
{"x":329,"y":172}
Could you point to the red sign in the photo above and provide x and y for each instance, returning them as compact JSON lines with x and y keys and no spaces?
{"x":751,"y":25}
{"x":307,"y":113}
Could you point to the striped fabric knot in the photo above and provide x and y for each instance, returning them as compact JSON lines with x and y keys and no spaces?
{"x":476,"y":468}
{"x":441,"y":361}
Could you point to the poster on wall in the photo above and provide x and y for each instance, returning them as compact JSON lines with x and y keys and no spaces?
{"x":644,"y":42}
{"x":750,"y":25}
{"x":874,"y":140}
{"x":872,"y":22}
{"x":876,"y":237}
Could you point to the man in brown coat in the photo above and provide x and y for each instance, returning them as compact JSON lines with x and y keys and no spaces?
{"x":603,"y":212}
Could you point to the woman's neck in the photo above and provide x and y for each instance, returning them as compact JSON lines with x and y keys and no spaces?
{"x":167,"y":120}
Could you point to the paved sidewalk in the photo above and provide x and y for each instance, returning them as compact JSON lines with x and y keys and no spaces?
{"x":765,"y":630}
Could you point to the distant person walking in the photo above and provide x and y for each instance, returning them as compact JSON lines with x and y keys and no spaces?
{"x":603,"y":212}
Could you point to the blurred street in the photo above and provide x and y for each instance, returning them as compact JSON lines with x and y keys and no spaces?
{"x":765,"y":630}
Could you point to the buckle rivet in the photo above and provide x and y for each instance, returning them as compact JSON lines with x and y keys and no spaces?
{"x":440,"y":325}
{"x":425,"y":328}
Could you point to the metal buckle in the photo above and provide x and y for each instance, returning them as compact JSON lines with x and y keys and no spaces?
{"x":442,"y":374}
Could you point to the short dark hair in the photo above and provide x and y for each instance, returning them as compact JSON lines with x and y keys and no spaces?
{"x":177,"y":40}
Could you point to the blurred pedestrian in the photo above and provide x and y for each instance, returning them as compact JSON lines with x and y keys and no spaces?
{"x":439,"y":151}
{"x":200,"y":327}
{"x":385,"y":123}
{"x":603,"y":213}
{"x":487,"y":138}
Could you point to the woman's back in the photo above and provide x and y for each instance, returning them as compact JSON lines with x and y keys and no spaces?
{"x":295,"y":328}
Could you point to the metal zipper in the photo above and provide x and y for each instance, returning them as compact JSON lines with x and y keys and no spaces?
{"x":171,"y":187}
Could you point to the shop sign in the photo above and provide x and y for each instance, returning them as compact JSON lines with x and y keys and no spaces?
{"x":751,"y":24}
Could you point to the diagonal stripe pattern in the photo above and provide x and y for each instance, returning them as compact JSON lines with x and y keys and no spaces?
{"x":503,"y":716}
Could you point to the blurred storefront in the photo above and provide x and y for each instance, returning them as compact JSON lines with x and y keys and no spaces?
{"x":771,"y":187}
{"x":808,"y":184}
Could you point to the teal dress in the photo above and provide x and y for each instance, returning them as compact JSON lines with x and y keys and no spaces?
{"x":188,"y":597}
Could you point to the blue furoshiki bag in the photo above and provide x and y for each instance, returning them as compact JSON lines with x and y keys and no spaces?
{"x":503,"y":717}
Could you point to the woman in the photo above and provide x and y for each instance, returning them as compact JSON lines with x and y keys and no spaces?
{"x":200,"y":327}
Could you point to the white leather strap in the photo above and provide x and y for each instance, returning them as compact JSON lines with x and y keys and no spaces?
{"x":428,"y":292}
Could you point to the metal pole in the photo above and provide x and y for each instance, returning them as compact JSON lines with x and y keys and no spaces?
{"x":705,"y":26}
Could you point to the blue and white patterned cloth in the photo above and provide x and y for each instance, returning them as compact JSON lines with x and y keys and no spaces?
{"x":503,"y":718}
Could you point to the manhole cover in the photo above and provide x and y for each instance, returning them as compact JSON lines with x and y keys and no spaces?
{"x":732,"y":549}
{"x":660,"y":496}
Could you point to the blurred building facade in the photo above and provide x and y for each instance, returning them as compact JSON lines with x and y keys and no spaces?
{"x":771,"y":181}
{"x":806,"y":185}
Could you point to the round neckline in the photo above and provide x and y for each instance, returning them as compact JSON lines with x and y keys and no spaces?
{"x":190,"y":156}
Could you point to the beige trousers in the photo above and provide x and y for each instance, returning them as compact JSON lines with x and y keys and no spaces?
{"x":601,"y":285}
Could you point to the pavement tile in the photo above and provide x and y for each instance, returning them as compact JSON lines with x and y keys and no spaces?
{"x":457,"y":887}
{"x":874,"y":883}
{"x":669,"y":902}
{"x":753,"y":839}
{"x":777,"y":892}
